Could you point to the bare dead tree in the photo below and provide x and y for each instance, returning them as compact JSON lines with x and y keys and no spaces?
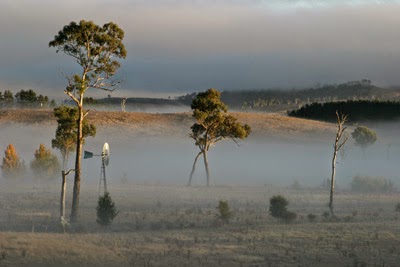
{"x":340,"y":140}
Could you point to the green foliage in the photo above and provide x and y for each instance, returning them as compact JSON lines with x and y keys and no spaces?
{"x":364,"y":136}
{"x":224,"y":211}
{"x":95,"y":49}
{"x":67,"y":130}
{"x":371,"y":184}
{"x":45,"y":165}
{"x":356,"y":110}
{"x":106,"y":210}
{"x":213,"y":124}
{"x":278,"y":209}
{"x":278,"y":206}
{"x":12,"y":166}
{"x":212,"y":121}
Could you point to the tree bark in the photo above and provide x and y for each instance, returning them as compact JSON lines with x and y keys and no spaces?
{"x":339,"y":143}
{"x":333,"y":179}
{"x":206,"y":166}
{"x":62,"y":200}
{"x":78,"y":159}
{"x":194,"y":167}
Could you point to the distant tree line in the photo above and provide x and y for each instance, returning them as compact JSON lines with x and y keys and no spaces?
{"x":264,"y":99}
{"x":359,"y":110}
{"x":25,"y":98}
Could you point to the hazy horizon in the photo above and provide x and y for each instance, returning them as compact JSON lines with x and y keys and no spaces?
{"x":177,"y":46}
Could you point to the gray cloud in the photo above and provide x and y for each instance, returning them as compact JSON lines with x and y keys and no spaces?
{"x":193,"y":45}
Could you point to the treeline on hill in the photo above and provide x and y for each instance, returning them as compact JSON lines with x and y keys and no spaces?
{"x":359,"y":110}
{"x":24,"y":98}
{"x":265,"y":99}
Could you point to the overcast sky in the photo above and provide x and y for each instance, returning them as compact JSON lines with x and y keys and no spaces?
{"x":179,"y":46}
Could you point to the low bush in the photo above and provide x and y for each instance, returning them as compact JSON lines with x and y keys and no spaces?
{"x":277,"y":209}
{"x":224,"y":211}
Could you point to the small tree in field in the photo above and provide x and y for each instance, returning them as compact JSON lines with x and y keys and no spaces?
{"x":213,"y":124}
{"x":364,"y":137}
{"x":278,"y":209}
{"x":45,"y":165}
{"x":224,"y":211}
{"x":106,"y":210}
{"x":12,"y":166}
{"x":96,"y":50}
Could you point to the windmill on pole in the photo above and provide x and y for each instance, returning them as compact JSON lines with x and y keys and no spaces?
{"x":105,"y":159}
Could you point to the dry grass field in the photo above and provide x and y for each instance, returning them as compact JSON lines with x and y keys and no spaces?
{"x":174,"y":225}
{"x":177,"y":226}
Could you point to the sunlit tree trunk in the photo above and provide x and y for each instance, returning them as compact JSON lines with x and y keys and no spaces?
{"x":194,"y":167}
{"x":78,"y":160}
{"x":340,"y":140}
{"x":206,"y":166}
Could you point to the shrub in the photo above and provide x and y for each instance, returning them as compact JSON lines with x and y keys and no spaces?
{"x":277,"y":209}
{"x":224,"y":211}
{"x":371,"y":184}
{"x":106,"y":210}
{"x":277,"y":206}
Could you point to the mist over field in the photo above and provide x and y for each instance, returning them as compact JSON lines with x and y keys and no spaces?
{"x":154,"y":158}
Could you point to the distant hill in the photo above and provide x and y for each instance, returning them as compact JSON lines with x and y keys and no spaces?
{"x":290,"y":99}
{"x":266,"y":100}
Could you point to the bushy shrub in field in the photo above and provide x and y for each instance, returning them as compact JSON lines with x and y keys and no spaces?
{"x":278,"y":209}
{"x":371,"y":184}
{"x":224,"y":211}
{"x":106,"y":210}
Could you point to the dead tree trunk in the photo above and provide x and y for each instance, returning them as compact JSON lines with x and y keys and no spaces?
{"x":194,"y":167}
{"x":62,"y":200}
{"x":340,"y":140}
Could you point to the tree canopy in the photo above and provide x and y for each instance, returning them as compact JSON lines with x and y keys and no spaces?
{"x":67,"y":130}
{"x":45,"y":165}
{"x":12,"y":166}
{"x":95,"y":49}
{"x":364,"y":136}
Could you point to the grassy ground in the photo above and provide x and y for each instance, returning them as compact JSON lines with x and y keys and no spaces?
{"x":177,"y":226}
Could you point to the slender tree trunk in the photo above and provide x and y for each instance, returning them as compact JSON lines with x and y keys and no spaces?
{"x":333,"y":179}
{"x":62,"y":199}
{"x":194,"y":167}
{"x":78,"y":159}
{"x":340,"y":140}
{"x":206,"y":166}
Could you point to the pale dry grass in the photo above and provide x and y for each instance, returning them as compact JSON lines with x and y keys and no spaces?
{"x":177,"y":124}
{"x":176,"y":226}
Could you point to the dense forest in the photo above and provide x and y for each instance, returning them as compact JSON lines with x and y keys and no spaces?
{"x":358,"y":110}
